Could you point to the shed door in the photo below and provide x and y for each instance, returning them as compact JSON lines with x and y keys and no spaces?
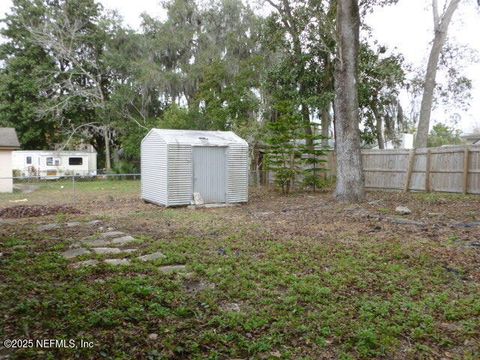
{"x":209,"y":173}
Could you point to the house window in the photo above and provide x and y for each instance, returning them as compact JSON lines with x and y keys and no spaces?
{"x":29,"y":160}
{"x":53,"y":162}
{"x":75,"y":161}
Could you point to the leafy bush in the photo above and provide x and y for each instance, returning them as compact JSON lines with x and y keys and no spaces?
{"x":124,"y":167}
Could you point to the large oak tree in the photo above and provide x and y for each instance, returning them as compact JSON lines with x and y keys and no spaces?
{"x":350,"y":178}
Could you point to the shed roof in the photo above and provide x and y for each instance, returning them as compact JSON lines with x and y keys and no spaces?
{"x":198,"y":137}
{"x":8,"y":139}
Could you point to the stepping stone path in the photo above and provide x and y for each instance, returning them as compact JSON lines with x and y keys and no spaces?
{"x":84,"y":264}
{"x":96,"y":242}
{"x":112,"y":234}
{"x":107,"y":243}
{"x":123,"y":240}
{"x":117,"y":261}
{"x":72,"y":253}
{"x":73,"y":224}
{"x":107,"y":250}
{"x":151,"y":257}
{"x":48,"y":227}
{"x":172,"y":268}
{"x":94,"y":222}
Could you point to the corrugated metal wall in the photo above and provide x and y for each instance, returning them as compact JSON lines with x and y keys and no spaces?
{"x":167,"y":172}
{"x":237,"y":173}
{"x":180,"y":188}
{"x":154,"y":169}
{"x":209,"y":173}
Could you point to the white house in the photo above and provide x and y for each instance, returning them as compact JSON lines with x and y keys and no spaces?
{"x":176,"y":164}
{"x":8,"y":143}
{"x":48,"y":163}
{"x":404,"y":141}
{"x":471,"y":139}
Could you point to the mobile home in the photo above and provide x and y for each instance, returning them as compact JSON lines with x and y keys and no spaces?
{"x":45,"y":163}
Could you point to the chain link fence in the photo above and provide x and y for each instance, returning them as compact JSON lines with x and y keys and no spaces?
{"x":68,"y":189}
{"x":83,"y":189}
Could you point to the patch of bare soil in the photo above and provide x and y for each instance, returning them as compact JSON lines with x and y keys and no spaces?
{"x":24,"y":211}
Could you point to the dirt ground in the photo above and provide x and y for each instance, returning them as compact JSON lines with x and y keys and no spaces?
{"x":366,"y":282}
{"x":437,"y":219}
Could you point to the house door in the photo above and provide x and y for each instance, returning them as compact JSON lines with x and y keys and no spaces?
{"x":209,"y":173}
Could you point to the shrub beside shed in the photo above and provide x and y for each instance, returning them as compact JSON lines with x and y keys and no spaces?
{"x":175,"y":164}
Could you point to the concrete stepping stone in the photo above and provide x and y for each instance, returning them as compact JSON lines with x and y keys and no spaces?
{"x":112,"y":234}
{"x":96,"y":242}
{"x":152,"y":256}
{"x":72,"y":253}
{"x":73,"y":224}
{"x":117,"y":261}
{"x":107,"y":250}
{"x":123,"y":240}
{"x":84,"y":264}
{"x":172,"y":268}
{"x":48,"y":227}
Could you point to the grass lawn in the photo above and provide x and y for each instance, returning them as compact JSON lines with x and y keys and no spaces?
{"x":65,"y":190}
{"x":295,"y":277}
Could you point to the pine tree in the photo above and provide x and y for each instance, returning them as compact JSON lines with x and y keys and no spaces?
{"x":284,"y":155}
{"x":314,"y":160}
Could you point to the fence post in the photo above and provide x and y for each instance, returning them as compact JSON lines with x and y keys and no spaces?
{"x":411,"y":158}
{"x":466,"y":157}
{"x":428,"y":184}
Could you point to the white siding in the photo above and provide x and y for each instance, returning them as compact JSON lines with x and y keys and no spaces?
{"x":92,"y":163}
{"x":39,"y":167}
{"x":167,"y":165}
{"x":209,"y":173}
{"x":6,"y":185}
{"x":154,"y":169}
{"x":237,"y":169}
{"x":180,"y":187}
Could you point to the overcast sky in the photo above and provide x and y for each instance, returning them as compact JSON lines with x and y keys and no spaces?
{"x":406,"y":26}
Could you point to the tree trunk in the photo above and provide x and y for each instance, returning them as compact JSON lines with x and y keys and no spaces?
{"x":307,"y":126}
{"x":305,"y":116}
{"x":380,"y":137}
{"x":380,"y":130}
{"x":440,"y":28}
{"x":305,"y":111}
{"x":350,"y":179}
{"x":326,"y":122}
{"x":401,"y":118}
{"x":106,"y":137}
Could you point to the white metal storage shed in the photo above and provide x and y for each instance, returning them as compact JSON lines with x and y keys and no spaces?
{"x":178,"y":163}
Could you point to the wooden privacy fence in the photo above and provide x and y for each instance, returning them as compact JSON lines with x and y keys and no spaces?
{"x":448,"y":169}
